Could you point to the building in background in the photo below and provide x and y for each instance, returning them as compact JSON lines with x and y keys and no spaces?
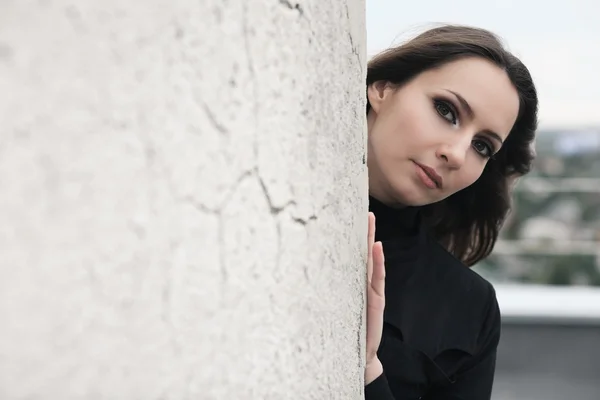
{"x":553,"y":233}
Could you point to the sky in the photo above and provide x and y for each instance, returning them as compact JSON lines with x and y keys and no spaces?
{"x":558,"y":41}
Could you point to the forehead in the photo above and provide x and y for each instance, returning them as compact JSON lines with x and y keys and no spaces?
{"x":486,"y":87}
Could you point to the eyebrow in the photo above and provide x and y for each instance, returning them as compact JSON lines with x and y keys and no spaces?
{"x":467,"y":107}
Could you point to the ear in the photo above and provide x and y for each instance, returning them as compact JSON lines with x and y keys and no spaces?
{"x":376,"y":94}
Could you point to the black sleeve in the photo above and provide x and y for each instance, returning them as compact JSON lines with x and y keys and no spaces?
{"x":475,"y":381}
{"x":379,"y":389}
{"x":475,"y":384}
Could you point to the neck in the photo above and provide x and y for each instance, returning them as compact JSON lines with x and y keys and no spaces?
{"x":386,"y":200}
{"x":393,"y":222}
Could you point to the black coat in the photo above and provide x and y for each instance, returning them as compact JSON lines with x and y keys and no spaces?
{"x":441,"y":322}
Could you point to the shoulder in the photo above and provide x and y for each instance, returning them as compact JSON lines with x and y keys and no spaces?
{"x":467,"y":290}
{"x":437,"y":302}
{"x":447,"y":267}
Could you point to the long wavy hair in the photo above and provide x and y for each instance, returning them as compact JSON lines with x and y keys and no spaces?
{"x":468,"y":222}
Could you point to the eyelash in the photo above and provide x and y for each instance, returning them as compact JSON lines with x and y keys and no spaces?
{"x":488,"y":152}
{"x":437,"y":103}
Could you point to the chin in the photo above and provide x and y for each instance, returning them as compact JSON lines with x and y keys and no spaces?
{"x":415,"y":198}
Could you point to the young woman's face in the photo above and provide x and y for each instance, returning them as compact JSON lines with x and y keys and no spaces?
{"x":433,"y":136}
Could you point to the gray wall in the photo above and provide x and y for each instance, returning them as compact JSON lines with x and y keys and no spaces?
{"x":182,"y":199}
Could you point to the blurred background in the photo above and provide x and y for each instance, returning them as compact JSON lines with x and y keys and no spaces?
{"x":546,"y":267}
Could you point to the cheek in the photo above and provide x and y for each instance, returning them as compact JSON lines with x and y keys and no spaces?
{"x":426,"y":128}
{"x":410,"y":127}
{"x":469,"y":176}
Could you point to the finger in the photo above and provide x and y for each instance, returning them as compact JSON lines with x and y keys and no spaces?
{"x":370,"y":242}
{"x":378,"y":276}
{"x":371,"y":232}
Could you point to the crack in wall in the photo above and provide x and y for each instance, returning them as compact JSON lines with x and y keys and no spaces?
{"x":352,"y":45}
{"x":213,"y":119}
{"x":199,"y":206}
{"x":233,"y":188}
{"x":304,"y":221}
{"x":292,"y":6}
{"x":274,"y":209}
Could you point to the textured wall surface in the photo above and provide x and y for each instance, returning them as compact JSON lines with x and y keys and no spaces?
{"x":182,"y":199}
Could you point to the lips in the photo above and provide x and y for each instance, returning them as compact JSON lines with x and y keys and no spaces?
{"x":434,"y":176}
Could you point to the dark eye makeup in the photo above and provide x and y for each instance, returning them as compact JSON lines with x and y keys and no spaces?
{"x":483,"y":147}
{"x":449,"y":112}
{"x":446,"y":110}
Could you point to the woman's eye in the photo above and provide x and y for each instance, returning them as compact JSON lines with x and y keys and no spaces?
{"x":446,"y":111}
{"x":483,"y":148}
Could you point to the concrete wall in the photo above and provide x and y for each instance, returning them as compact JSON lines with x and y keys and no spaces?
{"x":182,"y":199}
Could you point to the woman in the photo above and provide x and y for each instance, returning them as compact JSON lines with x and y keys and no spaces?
{"x":451,"y":120}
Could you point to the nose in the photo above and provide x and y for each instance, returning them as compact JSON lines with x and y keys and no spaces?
{"x":454,"y":154}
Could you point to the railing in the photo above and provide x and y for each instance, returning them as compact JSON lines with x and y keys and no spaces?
{"x":568,"y":305}
{"x":558,"y":185}
{"x":548,"y":247}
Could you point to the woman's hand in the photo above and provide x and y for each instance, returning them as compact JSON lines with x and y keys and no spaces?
{"x":375,"y":302}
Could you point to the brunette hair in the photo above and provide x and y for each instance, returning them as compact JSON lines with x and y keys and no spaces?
{"x":468,"y":222}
